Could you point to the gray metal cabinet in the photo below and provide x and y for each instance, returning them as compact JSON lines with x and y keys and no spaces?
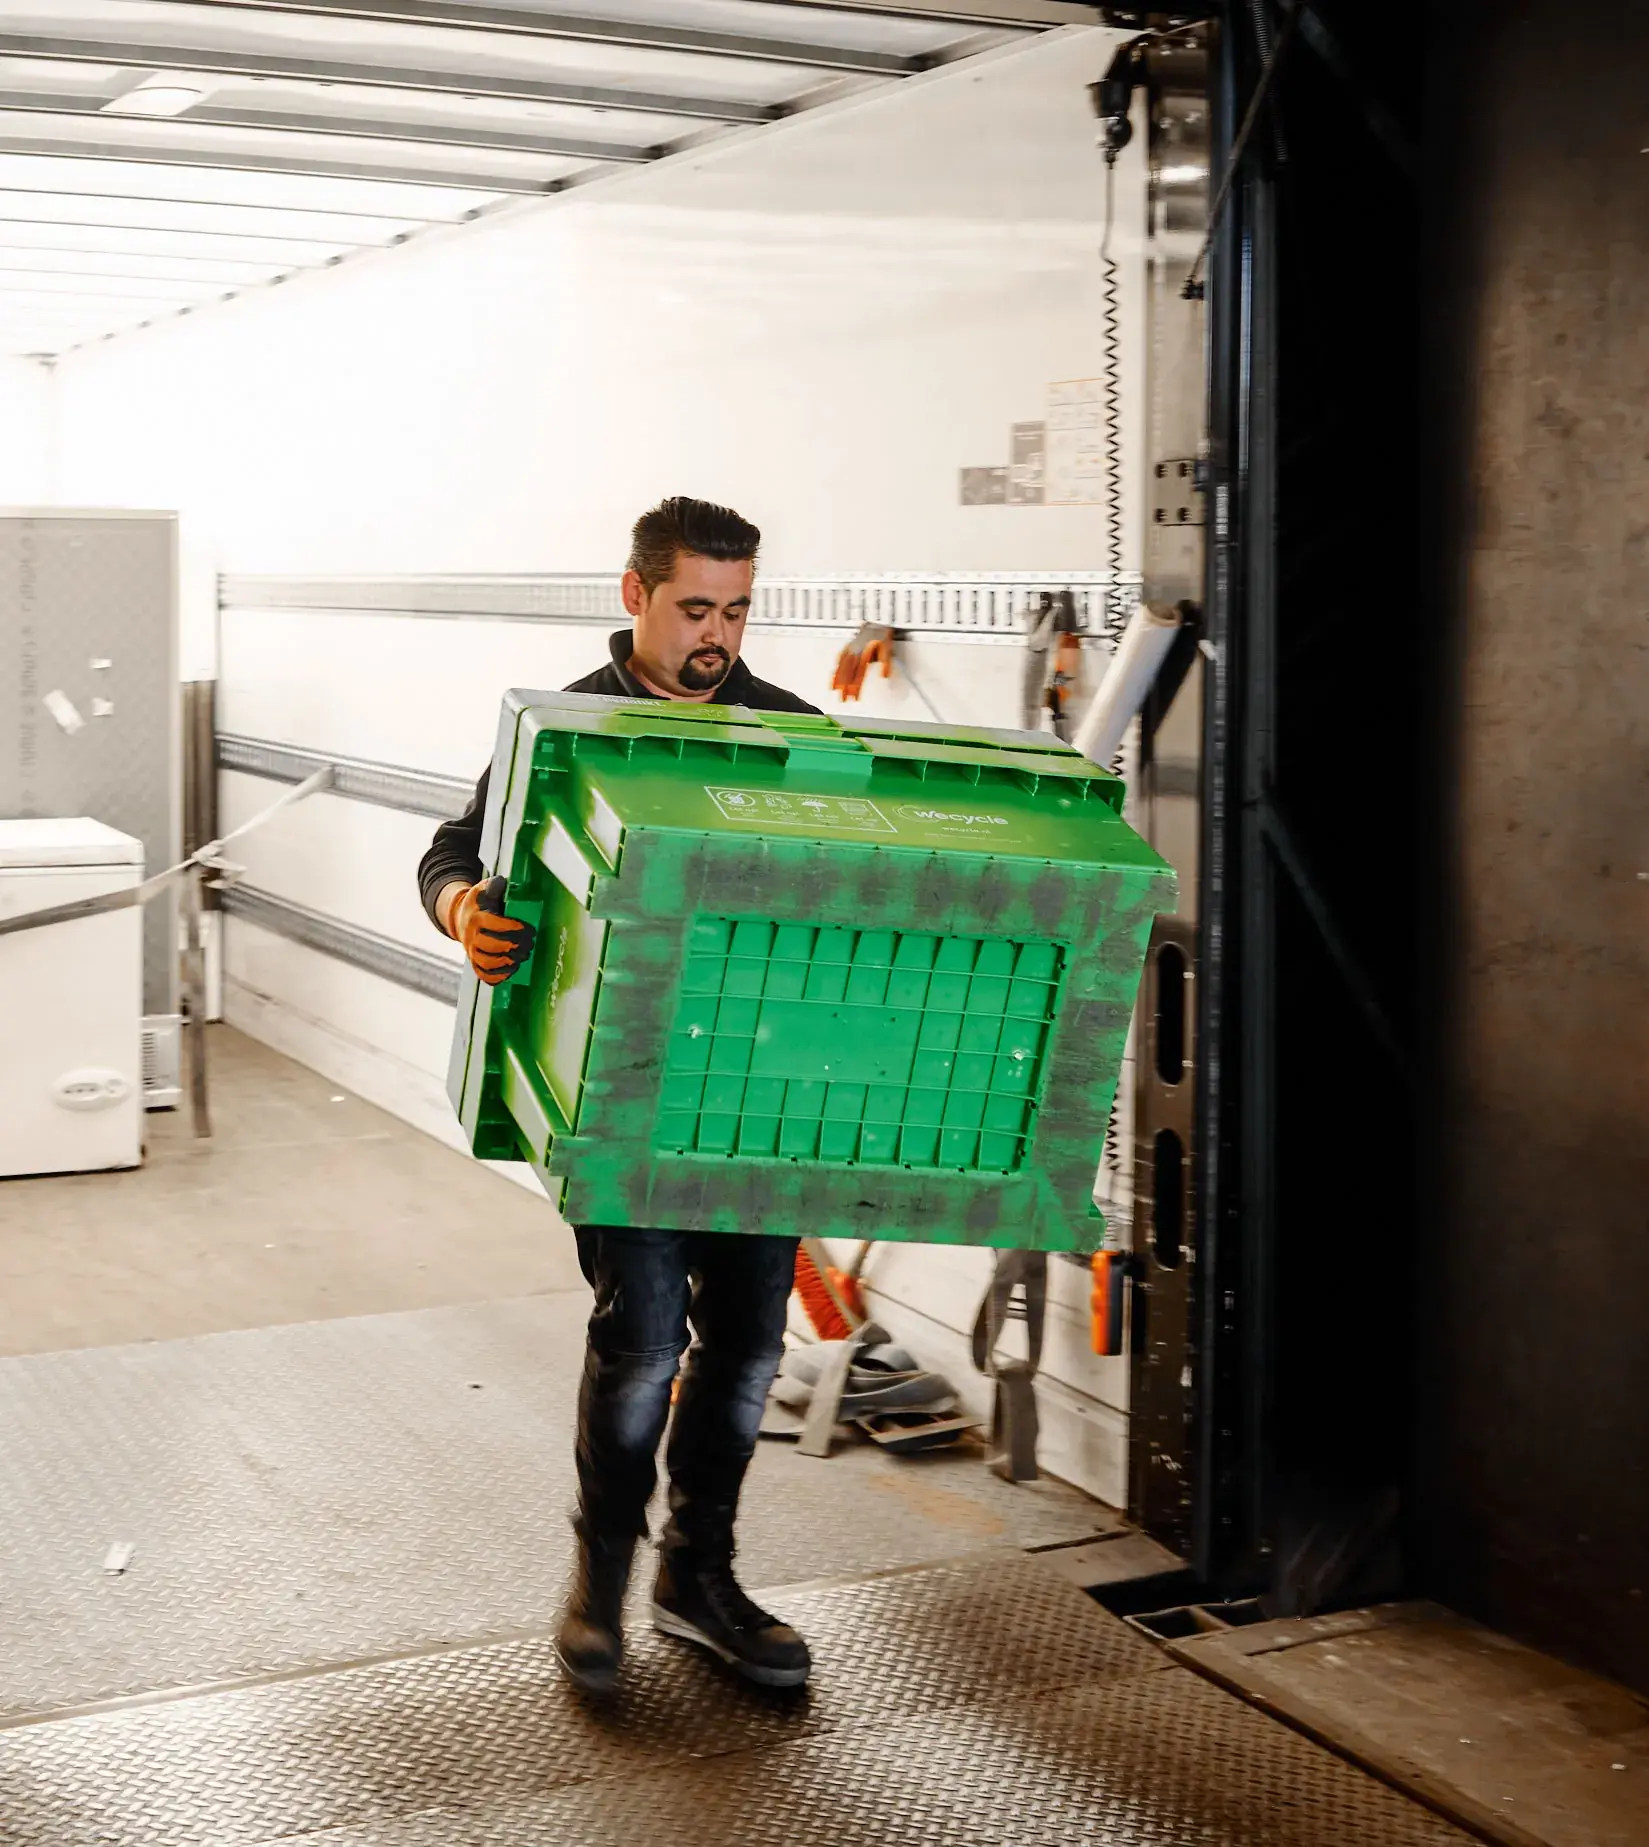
{"x":89,"y":690}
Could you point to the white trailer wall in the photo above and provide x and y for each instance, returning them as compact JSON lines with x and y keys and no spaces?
{"x":26,"y":430}
{"x":821,"y":326}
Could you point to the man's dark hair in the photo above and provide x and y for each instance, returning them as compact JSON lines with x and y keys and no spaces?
{"x":681,"y":524}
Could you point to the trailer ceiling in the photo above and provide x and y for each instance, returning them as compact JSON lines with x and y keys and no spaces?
{"x":156,"y":155}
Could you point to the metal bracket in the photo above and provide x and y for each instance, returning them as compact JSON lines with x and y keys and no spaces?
{"x":1177,"y":492}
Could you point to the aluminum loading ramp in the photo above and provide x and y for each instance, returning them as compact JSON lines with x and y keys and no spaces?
{"x":335,"y":1629}
{"x":985,"y":1702}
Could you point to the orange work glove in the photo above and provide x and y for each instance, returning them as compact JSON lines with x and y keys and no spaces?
{"x":1067,"y":677}
{"x":873,"y":643}
{"x":495,"y":944}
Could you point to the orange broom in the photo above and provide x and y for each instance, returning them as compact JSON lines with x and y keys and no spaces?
{"x":831,"y":1298}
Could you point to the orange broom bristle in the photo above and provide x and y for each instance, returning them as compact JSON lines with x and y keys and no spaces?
{"x":829,"y":1323}
{"x":847,"y":1287}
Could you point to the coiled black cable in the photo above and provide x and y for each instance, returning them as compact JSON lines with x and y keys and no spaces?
{"x":1116,"y":612}
{"x":1110,"y":373}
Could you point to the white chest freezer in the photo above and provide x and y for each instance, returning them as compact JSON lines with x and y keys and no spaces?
{"x":71,"y":1003}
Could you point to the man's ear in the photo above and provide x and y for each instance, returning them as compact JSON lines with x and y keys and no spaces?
{"x":634,"y":593}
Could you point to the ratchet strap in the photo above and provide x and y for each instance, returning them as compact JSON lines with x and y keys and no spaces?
{"x":204,"y":859}
{"x":190,"y":872}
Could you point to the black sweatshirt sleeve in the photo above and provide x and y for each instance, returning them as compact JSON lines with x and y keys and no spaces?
{"x":455,"y":852}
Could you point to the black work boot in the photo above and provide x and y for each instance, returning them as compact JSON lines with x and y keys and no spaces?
{"x":704,"y":1604}
{"x":590,"y":1641}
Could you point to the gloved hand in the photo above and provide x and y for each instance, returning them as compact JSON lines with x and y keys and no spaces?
{"x":495,"y":944}
{"x":874,"y":642}
{"x":1066,"y":680}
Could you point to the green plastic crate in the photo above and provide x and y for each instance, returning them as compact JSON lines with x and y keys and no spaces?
{"x":863,"y":981}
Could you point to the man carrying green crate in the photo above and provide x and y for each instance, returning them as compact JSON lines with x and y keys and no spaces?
{"x":687,"y":591}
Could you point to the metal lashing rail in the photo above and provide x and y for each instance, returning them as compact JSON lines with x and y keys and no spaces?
{"x":385,"y":785}
{"x":971,"y":606}
{"x":417,"y":969}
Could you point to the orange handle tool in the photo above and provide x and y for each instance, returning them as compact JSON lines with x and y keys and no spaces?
{"x":1111,"y":1270}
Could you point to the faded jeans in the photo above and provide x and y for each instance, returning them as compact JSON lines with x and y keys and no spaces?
{"x":649,"y":1286}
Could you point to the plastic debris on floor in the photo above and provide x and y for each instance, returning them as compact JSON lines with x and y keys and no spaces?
{"x":865,"y":1383}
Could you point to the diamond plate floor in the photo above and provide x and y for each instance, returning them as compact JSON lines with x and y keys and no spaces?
{"x":351,"y":1544}
{"x":305,"y":1495}
{"x":982,"y":1701}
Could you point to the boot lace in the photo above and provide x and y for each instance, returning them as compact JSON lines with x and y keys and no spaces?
{"x":726,"y":1596}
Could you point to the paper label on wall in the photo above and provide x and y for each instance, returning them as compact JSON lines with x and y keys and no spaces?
{"x":771,"y":808}
{"x":1027,"y":486}
{"x":984,"y":487}
{"x":1076,"y":443}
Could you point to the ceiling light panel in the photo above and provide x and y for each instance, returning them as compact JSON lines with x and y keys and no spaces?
{"x":161,"y":93}
{"x":160,"y":99}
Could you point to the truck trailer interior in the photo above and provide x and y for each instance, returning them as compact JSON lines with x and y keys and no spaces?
{"x":1146,"y":902}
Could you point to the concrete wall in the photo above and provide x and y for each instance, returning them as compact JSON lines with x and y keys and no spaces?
{"x":1539,"y":1489}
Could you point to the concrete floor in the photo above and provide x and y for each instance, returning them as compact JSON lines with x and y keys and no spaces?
{"x":305,"y":1205}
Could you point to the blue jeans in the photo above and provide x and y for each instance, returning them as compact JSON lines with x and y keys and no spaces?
{"x":649,"y":1287}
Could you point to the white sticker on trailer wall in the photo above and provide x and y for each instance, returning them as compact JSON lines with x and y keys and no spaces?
{"x":1075,"y":461}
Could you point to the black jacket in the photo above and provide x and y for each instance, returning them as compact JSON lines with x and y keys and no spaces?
{"x":455,"y":852}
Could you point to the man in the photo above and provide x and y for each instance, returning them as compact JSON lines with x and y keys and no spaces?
{"x":687,"y":591}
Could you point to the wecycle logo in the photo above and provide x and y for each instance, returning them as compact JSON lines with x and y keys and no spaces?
{"x":952,"y":817}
